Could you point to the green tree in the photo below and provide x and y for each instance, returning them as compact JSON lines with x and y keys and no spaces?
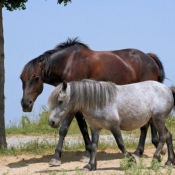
{"x":9,"y":5}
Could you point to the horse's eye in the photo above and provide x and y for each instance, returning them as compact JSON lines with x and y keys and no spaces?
{"x":36,"y":78}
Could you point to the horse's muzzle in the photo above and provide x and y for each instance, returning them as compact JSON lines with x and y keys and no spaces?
{"x":53,"y":124}
{"x":27,"y":105}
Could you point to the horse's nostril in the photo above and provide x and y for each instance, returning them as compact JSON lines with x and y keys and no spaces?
{"x":30,"y":102}
{"x":53,"y":123}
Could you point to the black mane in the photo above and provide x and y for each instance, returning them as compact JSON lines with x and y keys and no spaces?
{"x":70,"y":43}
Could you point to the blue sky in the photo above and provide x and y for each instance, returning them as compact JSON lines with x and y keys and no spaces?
{"x":104,"y":25}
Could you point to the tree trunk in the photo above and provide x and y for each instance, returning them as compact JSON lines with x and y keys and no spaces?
{"x":2,"y":82}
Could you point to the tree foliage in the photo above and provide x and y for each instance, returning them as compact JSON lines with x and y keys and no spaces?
{"x":64,"y":1}
{"x":14,"y":4}
{"x":20,"y":4}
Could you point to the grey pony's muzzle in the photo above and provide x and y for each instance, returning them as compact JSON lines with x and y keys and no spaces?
{"x":54,"y":124}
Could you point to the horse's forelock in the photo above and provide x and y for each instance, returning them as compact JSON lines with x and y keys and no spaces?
{"x":31,"y":65}
{"x":33,"y":68}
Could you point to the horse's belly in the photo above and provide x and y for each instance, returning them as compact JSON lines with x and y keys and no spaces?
{"x":99,"y":124}
{"x":132,"y":122}
{"x":101,"y":118}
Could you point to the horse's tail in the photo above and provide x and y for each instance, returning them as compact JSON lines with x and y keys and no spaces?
{"x":173,"y":91}
{"x":161,"y":76}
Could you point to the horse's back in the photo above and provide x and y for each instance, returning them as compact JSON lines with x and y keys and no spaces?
{"x":120,"y":66}
{"x":139,"y":102}
{"x":152,"y":92}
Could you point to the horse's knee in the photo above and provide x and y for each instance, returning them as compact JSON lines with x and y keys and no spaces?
{"x":168,"y":136}
{"x":155,"y":140}
{"x":63,"y":130}
{"x":93,"y":147}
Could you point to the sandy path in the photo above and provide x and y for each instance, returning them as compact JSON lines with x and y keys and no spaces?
{"x":108,"y":163}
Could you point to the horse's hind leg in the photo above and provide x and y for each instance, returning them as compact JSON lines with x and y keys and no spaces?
{"x":83,"y":128}
{"x":159,"y":123}
{"x":171,"y":155}
{"x":118,"y":137}
{"x":155,"y":140}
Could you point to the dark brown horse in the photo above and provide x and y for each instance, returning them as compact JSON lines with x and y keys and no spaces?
{"x":74,"y":60}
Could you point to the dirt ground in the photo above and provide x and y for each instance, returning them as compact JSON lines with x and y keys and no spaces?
{"x":108,"y":162}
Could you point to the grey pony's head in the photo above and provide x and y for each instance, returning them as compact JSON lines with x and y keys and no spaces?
{"x":57,"y":103}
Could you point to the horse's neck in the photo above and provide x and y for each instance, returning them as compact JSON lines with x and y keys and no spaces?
{"x":54,"y":69}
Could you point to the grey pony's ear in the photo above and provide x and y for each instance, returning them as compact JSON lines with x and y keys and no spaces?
{"x":64,"y":85}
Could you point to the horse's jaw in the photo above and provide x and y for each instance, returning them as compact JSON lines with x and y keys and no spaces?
{"x":26,"y":110}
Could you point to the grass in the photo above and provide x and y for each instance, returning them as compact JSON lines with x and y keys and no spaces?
{"x":170,"y":123}
{"x":27,"y":126}
{"x":131,"y":168}
{"x":33,"y":147}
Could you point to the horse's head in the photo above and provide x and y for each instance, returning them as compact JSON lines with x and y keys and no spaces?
{"x":58,"y":103}
{"x":32,"y":83}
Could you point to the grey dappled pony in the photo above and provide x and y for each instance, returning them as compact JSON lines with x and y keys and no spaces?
{"x":114,"y":107}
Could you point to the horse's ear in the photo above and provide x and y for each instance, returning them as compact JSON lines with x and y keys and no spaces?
{"x":64,"y":85}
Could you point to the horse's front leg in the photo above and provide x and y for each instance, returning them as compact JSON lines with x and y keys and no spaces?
{"x":56,"y":158}
{"x":92,"y":165}
{"x":84,"y":130}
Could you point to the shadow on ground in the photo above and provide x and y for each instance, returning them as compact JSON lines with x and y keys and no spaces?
{"x":68,"y":156}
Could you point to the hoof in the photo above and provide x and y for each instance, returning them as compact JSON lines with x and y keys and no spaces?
{"x":169,"y":163}
{"x":136,"y":156}
{"x":89,"y":167}
{"x":84,"y":159}
{"x":55,"y":162}
{"x":86,"y":170}
{"x":166,"y":166}
{"x":164,"y":150}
